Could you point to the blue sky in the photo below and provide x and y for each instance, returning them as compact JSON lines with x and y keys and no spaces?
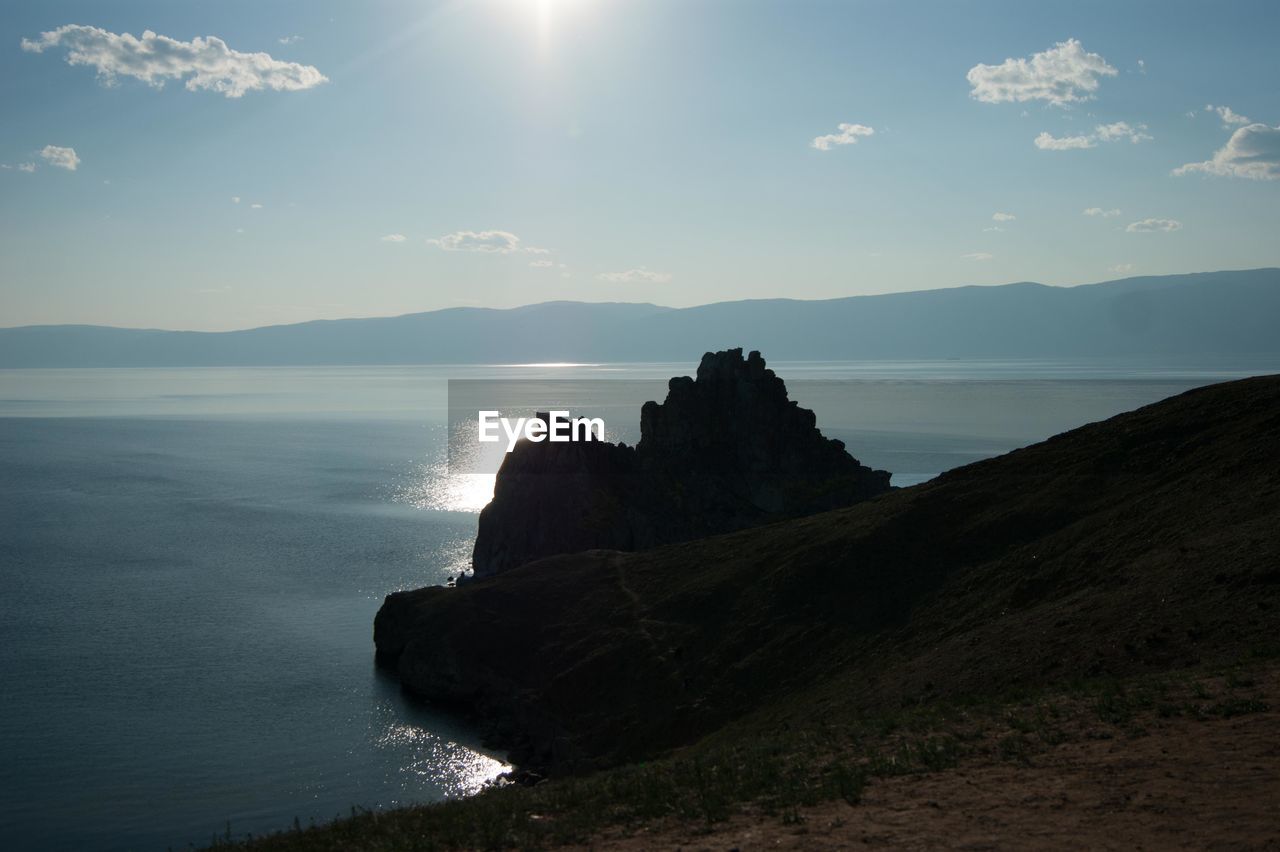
{"x":618,"y":150}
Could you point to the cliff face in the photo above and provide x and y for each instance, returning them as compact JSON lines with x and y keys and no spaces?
{"x":1146,"y":542}
{"x":726,"y":450}
{"x":557,"y":498}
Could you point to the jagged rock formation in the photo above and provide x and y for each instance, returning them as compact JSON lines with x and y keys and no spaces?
{"x":726,"y":451}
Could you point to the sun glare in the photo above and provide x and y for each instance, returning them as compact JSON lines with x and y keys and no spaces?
{"x":545,"y":13}
{"x":547,"y":17}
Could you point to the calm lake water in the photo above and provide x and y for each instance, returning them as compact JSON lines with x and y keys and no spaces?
{"x":192,"y":560}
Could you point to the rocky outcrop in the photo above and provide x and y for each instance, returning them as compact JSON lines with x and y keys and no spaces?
{"x":727,"y":450}
{"x":557,"y":498}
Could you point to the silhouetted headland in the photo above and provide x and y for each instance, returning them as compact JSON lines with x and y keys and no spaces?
{"x":1143,"y":543}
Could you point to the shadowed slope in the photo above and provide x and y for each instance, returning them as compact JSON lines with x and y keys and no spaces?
{"x":1147,"y":541}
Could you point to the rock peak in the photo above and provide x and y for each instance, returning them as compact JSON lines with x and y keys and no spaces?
{"x":726,"y":450}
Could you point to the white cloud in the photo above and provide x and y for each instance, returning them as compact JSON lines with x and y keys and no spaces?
{"x":1102,"y":133}
{"x":1121,"y":268}
{"x":1098,"y":211}
{"x":1252,"y":152}
{"x":541,"y":264}
{"x":1048,"y":142}
{"x":1229,"y":117}
{"x":235,"y":199}
{"x":639,"y":275}
{"x":1003,"y":217}
{"x":1123,"y":130}
{"x":63,"y":158}
{"x":993,"y":229}
{"x":1148,"y":226}
{"x":977,"y":255}
{"x":1062,"y":75}
{"x":207,"y":62}
{"x":290,"y":39}
{"x":848,"y":135}
{"x":494,"y":242}
{"x":26,"y":167}
{"x":535,"y":250}
{"x":393,"y":238}
{"x":255,"y":206}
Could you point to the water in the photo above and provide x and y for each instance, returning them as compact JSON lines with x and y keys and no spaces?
{"x":192,"y":560}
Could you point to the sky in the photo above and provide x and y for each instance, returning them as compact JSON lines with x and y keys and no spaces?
{"x":198,"y":165}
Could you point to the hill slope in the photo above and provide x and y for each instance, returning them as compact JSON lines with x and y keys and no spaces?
{"x":1145,"y":542}
{"x":1212,"y":313}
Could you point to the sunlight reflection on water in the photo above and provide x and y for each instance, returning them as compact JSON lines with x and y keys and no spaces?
{"x":433,"y":487}
{"x":459,"y":770}
{"x":448,"y":485}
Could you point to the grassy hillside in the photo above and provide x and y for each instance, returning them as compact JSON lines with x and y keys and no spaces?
{"x":1171,"y":761}
{"x":1090,"y":618}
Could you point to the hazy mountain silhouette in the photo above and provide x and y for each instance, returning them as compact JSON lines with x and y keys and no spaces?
{"x":1210,"y":313}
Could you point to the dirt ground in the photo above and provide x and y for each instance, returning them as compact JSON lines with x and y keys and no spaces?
{"x":1182,"y":783}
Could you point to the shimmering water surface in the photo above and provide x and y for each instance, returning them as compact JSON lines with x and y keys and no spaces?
{"x":192,"y":560}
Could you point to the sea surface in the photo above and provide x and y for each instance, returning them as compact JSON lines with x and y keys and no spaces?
{"x":191,"y":561}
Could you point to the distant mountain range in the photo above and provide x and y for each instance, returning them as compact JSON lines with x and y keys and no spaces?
{"x":1211,"y":313}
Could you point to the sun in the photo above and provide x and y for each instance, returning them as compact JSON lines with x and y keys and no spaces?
{"x":547,"y":16}
{"x":544,"y":12}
